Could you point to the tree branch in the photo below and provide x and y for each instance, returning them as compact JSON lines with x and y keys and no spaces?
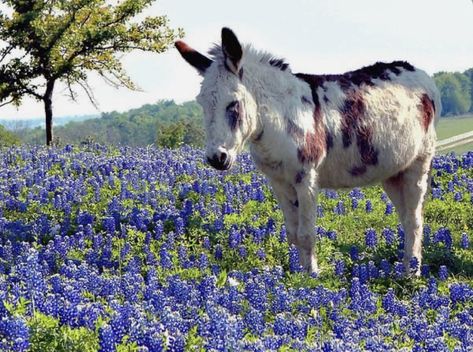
{"x":8,"y":102}
{"x":90,"y":94}
{"x":6,"y":52}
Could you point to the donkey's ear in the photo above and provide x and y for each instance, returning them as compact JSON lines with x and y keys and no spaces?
{"x":196,"y":59}
{"x":231,"y":49}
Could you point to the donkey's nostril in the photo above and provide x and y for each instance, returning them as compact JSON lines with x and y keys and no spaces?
{"x":220,"y":161}
{"x":223,"y":157}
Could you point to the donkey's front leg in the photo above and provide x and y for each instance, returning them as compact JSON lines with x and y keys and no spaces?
{"x":287,"y":199}
{"x":307,"y":191}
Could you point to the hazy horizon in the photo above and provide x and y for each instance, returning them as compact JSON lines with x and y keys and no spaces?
{"x":322,"y":37}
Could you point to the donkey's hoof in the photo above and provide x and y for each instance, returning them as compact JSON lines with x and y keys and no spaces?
{"x":309,"y":265}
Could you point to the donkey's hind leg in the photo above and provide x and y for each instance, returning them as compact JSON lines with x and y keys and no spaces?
{"x":407,"y":191}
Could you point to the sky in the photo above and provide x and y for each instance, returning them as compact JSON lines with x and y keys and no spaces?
{"x":314,"y":36}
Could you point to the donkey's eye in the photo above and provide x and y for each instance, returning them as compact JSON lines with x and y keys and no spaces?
{"x":233,"y":114}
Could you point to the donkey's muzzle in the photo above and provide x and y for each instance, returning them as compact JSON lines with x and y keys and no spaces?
{"x":219,"y":161}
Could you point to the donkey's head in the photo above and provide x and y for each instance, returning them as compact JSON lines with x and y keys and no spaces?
{"x":229,"y":107}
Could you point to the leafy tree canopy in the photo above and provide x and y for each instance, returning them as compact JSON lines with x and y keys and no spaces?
{"x":455,"y":92}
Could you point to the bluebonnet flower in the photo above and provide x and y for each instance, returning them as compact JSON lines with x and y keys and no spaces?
{"x":206,"y":243}
{"x":294,"y":264}
{"x":399,"y":270}
{"x":385,"y":267}
{"x":388,"y":235}
{"x":427,"y":231}
{"x":331,"y":235}
{"x":443,"y":235}
{"x":320,"y":211}
{"x":437,"y":193}
{"x":460,"y":292}
{"x":242,"y":251}
{"x":179,"y":226}
{"x":108,"y":224}
{"x":339,"y":267}
{"x":413,"y":264}
{"x":371,"y":239}
{"x":464,"y":241}
{"x":203,"y":261}
{"x":158,"y":230}
{"x":107,"y":339}
{"x":373,"y":271}
{"x":218,"y":252}
{"x":218,"y":225}
{"x":354,"y":203}
{"x":368,"y":206}
{"x":254,"y":320}
{"x":458,"y":196}
{"x":425,"y":270}
{"x":165,"y":258}
{"x":356,"y":193}
{"x":283,"y":234}
{"x":354,"y":253}
{"x":234,"y":238}
{"x":339,"y":208}
{"x":443,"y":273}
{"x":261,"y":254}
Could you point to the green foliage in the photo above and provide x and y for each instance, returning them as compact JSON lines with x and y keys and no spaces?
{"x":469,"y":73}
{"x":8,"y":138}
{"x":455,"y":91}
{"x":48,"y":334}
{"x":63,"y":41}
{"x":136,"y":127}
{"x":183,"y":131}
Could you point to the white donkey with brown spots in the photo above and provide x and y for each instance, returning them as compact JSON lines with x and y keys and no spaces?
{"x":306,"y":132}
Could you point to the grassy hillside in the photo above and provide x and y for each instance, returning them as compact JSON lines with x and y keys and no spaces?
{"x":451,"y":126}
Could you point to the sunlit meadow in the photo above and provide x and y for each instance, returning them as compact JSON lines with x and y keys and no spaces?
{"x":151,"y":250}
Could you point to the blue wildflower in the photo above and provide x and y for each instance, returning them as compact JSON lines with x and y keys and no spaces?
{"x":294,"y":264}
{"x":371,"y":239}
{"x":368,"y":206}
{"x":443,"y":273}
{"x":464,"y":241}
{"x":354,"y":253}
{"x":339,"y":267}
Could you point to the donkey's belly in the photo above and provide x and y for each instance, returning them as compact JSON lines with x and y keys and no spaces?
{"x":343,"y":168}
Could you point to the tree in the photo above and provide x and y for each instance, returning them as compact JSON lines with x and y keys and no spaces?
{"x":7,"y":138}
{"x":469,"y":73}
{"x":455,"y":92}
{"x":171,"y":135}
{"x":50,"y":41}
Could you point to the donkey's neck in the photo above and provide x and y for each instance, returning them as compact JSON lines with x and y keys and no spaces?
{"x":280,"y":97}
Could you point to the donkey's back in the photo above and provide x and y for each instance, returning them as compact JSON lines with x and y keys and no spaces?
{"x":378,"y":120}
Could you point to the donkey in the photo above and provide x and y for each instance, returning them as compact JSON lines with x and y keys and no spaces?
{"x":306,"y":132}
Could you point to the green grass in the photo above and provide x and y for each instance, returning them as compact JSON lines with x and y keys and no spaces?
{"x":459,"y":149}
{"x":451,"y":126}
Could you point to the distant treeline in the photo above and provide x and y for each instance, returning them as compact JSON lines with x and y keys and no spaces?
{"x":169,"y":124}
{"x":456,"y":90}
{"x":165,"y":123}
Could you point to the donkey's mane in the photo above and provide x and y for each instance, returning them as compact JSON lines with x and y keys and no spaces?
{"x":251,"y":55}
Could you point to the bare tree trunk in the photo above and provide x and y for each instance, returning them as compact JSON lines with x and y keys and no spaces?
{"x":48,"y":110}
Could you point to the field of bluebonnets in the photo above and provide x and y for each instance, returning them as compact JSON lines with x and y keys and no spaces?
{"x":150,"y":250}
